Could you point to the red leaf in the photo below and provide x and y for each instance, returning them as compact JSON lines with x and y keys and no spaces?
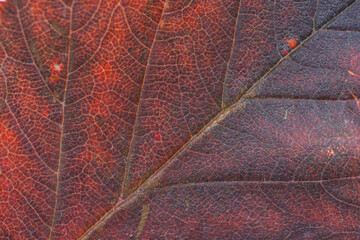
{"x":218,"y":119}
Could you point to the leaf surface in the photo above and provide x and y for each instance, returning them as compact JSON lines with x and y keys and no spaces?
{"x":179,"y":119}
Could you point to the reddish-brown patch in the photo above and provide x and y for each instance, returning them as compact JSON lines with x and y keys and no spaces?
{"x":45,"y":113}
{"x":158,"y":136}
{"x":6,"y":134}
{"x":54,"y":79}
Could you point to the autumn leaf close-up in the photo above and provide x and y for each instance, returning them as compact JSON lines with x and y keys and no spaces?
{"x":180,"y":119}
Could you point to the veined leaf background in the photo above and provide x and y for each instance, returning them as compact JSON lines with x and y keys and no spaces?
{"x":179,"y":119}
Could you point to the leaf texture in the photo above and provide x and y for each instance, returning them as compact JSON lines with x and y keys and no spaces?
{"x":216,"y":119}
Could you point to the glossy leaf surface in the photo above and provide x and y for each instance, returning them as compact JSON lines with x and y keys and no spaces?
{"x":216,"y":119}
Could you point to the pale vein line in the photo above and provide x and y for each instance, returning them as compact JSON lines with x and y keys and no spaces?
{"x":141,"y":97}
{"x":101,"y":41}
{"x":62,"y":123}
{"x":32,"y":57}
{"x":90,"y":19}
{"x":130,"y":29}
{"x":231,"y":55}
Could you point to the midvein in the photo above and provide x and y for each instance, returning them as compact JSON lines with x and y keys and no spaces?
{"x":62,"y":123}
{"x":236,"y":105}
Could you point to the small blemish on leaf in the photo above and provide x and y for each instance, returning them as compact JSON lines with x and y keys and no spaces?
{"x":53,"y":79}
{"x":292,"y":42}
{"x":330,"y":152}
{"x":158,"y":136}
{"x":56,"y":67}
{"x":45,"y":113}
